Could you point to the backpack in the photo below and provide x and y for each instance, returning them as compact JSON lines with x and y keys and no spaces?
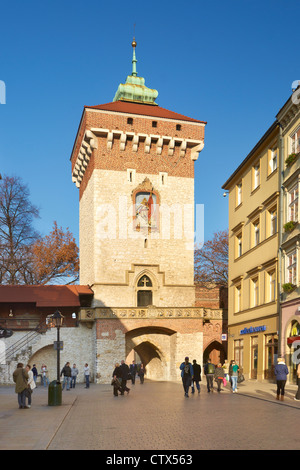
{"x":210,"y":369}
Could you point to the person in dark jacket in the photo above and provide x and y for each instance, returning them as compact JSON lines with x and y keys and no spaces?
{"x":197,"y":376}
{"x":281,"y":373}
{"x":66,"y":372}
{"x":133,"y":371}
{"x":187,"y":374}
{"x":209,"y":371}
{"x":20,"y":377}
{"x":116,"y":382}
{"x":219,"y":376}
{"x":124,"y":376}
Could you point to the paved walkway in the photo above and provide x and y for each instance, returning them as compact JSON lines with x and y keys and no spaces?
{"x":155,"y":415}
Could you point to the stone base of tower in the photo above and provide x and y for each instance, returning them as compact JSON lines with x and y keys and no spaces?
{"x":161,"y":337}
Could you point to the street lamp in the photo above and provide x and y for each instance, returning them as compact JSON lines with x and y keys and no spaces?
{"x":57,"y":321}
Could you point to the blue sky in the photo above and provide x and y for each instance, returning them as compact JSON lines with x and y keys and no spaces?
{"x":229,"y":63}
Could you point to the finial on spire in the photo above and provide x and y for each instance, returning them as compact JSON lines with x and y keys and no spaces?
{"x":134,"y":61}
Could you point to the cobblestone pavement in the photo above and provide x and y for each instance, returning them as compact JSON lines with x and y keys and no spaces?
{"x":153,"y":416}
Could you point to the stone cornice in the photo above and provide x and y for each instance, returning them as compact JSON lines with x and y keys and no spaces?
{"x":91,"y":314}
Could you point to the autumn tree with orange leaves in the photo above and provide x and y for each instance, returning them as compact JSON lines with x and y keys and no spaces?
{"x":25,"y":256}
{"x":211,"y":261}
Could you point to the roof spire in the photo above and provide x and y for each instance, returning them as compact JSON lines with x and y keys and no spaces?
{"x":134,"y":88}
{"x":134,"y":61}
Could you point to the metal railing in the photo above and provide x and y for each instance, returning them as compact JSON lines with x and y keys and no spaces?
{"x":24,"y":342}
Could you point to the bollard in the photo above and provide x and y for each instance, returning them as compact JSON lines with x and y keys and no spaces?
{"x":54,"y":393}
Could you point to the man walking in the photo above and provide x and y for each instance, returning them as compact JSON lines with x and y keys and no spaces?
{"x":197,"y":376}
{"x":74,"y":373}
{"x":133,"y":371}
{"x":66,"y":372}
{"x":20,"y":377}
{"x":124,"y":376}
{"x":209,"y":371}
{"x":187,"y":374}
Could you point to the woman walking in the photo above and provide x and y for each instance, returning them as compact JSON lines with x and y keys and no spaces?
{"x":281,"y":373}
{"x":234,"y":376}
{"x":219,"y":376}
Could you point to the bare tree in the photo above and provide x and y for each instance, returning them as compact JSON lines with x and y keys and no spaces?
{"x":211,"y":261}
{"x":16,"y":229}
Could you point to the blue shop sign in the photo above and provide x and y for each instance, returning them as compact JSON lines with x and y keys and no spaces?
{"x":253,"y":329}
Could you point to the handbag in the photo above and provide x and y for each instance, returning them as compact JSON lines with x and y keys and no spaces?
{"x":224,"y":382}
{"x":240,"y":379}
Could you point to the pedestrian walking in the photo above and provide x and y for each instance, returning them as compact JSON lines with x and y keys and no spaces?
{"x":219,"y":376}
{"x":86,"y":371}
{"x":74,"y":373}
{"x":281,"y":372}
{"x":35,"y":373}
{"x":197,"y":376}
{"x":234,"y":376}
{"x":31,"y":385}
{"x":133,"y":371}
{"x":209,"y":371}
{"x":226,"y":370}
{"x":20,"y":377}
{"x":44,"y":372}
{"x":297,"y":397}
{"x":141,"y":373}
{"x":187,"y":374}
{"x":116,"y":380}
{"x":66,"y":372}
{"x":124,"y":376}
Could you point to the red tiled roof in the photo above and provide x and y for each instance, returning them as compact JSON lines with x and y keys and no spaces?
{"x":143,"y":109}
{"x":44,"y":296}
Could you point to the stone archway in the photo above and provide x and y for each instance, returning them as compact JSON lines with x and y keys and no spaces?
{"x":214,"y":351}
{"x":154,"y":347}
{"x":46,"y":355}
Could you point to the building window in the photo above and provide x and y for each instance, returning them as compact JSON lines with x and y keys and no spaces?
{"x":271,"y":286}
{"x":238,"y":352}
{"x":129,"y":121}
{"x":238,"y":194}
{"x":256,"y":233}
{"x":273,"y":220}
{"x":291,"y":269}
{"x":295,"y":141}
{"x":144,"y":292}
{"x":178,"y":127}
{"x":271,"y":354}
{"x":293,"y":204}
{"x":154,"y":123}
{"x":256,"y":176}
{"x":254,"y":292}
{"x":273,"y":160}
{"x":238,"y":298}
{"x":239,"y":242}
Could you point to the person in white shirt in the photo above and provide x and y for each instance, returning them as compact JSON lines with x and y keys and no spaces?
{"x":87,"y":375}
{"x":31,"y":384}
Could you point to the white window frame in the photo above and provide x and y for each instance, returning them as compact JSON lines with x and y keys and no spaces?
{"x":256,"y":176}
{"x":271,"y":285}
{"x":273,"y":221}
{"x":291,"y":267}
{"x":239,"y":188}
{"x":293,"y":206}
{"x":255,"y":291}
{"x":295,"y":146}
{"x":273,"y":161}
{"x":238,"y":298}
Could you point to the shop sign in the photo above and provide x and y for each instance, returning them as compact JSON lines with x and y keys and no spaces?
{"x":292,"y":339}
{"x":253,"y":329}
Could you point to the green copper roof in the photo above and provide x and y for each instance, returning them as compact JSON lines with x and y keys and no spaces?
{"x":134,"y":88}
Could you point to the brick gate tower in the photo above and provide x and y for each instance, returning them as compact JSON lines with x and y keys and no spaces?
{"x":133,"y":162}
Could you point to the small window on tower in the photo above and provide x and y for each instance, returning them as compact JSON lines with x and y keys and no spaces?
{"x":129,"y":121}
{"x":154,"y":123}
{"x":178,"y":127}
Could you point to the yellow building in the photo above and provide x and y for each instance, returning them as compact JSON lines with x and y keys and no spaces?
{"x":289,"y":259}
{"x":253,"y":258}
